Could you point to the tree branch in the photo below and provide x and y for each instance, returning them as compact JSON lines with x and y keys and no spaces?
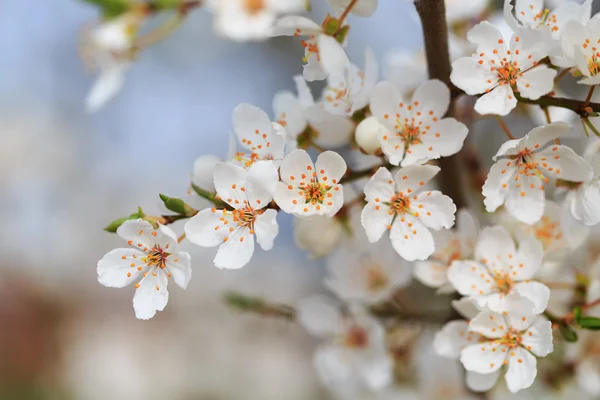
{"x":435,"y":33}
{"x":577,"y":106}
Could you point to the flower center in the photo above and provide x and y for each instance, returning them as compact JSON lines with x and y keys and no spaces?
{"x":508,"y":72}
{"x":356,"y":337}
{"x":315,"y":192}
{"x":594,"y":64}
{"x":377,"y":279}
{"x":254,"y":6}
{"x":503,"y":282}
{"x":245,"y":216}
{"x":411,"y":135}
{"x":547,"y":231}
{"x":400,"y":203}
{"x":511,"y":339}
{"x":156,"y":257}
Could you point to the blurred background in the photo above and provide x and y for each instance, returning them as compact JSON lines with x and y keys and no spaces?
{"x":64,"y":174}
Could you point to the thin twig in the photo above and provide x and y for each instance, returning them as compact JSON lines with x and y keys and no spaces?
{"x":504,"y":127}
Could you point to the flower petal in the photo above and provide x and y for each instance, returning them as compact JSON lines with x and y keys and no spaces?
{"x":495,"y":188}
{"x":584,"y":203}
{"x":431,"y":273}
{"x":137,"y":233}
{"x":261,"y":180}
{"x":237,"y":251}
{"x":482,"y":382}
{"x":536,"y":82}
{"x":209,"y":227}
{"x":522,"y":370}
{"x":446,"y":137}
{"x":229,"y":180}
{"x":537,"y":293}
{"x":500,"y":101}
{"x":291,"y":25}
{"x":152,"y":295}
{"x":562,"y":162}
{"x":432,"y":98}
{"x":115,"y":268}
{"x":489,"y":324}
{"x":380,"y":186}
{"x":495,"y":243}
{"x":297,"y":167}
{"x":437,"y":210}
{"x":179,"y":266}
{"x":470,"y":76}
{"x":266,"y":228}
{"x":453,"y":337}
{"x":330,"y":167}
{"x":204,"y":167}
{"x":470,"y":278}
{"x":410,"y":179}
{"x":251,"y":125}
{"x":483,"y":358}
{"x":526,"y":198}
{"x":319,"y":315}
{"x":538,"y":338}
{"x":375,"y":219}
{"x":411,"y":239}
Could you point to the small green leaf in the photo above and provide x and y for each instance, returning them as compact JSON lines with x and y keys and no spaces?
{"x":568,"y":333}
{"x":111,"y":8}
{"x":113,"y":226}
{"x":331,"y":26}
{"x":341,"y":35}
{"x":177,"y":205}
{"x":577,"y":313}
{"x":590,"y":323}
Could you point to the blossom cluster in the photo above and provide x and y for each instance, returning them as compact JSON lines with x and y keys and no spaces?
{"x":359,"y":162}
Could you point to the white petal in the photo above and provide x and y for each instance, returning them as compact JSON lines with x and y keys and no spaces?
{"x":289,"y":113}
{"x":431,"y":273}
{"x":152,"y":295}
{"x":237,"y":251}
{"x":495,"y":243}
{"x":566,"y":164}
{"x":587,"y":376}
{"x":466,"y":307}
{"x":305,"y":96}
{"x":375,"y":219}
{"x":330,"y":167}
{"x":538,"y":338}
{"x":530,"y":257}
{"x":446,"y":137}
{"x":250,"y":123}
{"x":208,"y":227}
{"x":510,"y":148}
{"x":289,"y":26}
{"x":536,"y":82}
{"x":312,"y":70}
{"x":537,"y":293}
{"x":166,"y":239}
{"x":109,"y":83}
{"x":489,"y":324}
{"x":482,"y":382}
{"x":468,"y":230}
{"x":290,"y":199}
{"x":320,"y":315}
{"x":526,"y":198}
{"x":380,"y":186}
{"x":436,"y":209}
{"x":517,"y":310}
{"x":585,"y":203}
{"x":432,"y":96}
{"x":453,"y":337}
{"x":137,"y":233}
{"x":483,"y":358}
{"x":541,"y":135}
{"x":487,"y":36}
{"x":116,"y":271}
{"x":204,"y":167}
{"x":412,"y":178}
{"x":385,"y":100}
{"x":229,"y":180}
{"x":333,"y":56}
{"x":261,"y":181}
{"x":411,"y":239}
{"x":266,"y":229}
{"x":466,"y":277}
{"x":500,"y":100}
{"x":470,"y":76}
{"x":522,"y":370}
{"x":331,"y":131}
{"x":179,"y":266}
{"x":495,"y":188}
{"x":296,"y":165}
{"x":333,"y":368}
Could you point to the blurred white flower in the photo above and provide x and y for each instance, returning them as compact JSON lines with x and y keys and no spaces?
{"x":152,"y":262}
{"x":361,"y":8}
{"x":354,"y":355}
{"x":450,"y":246}
{"x":250,"y":19}
{"x":500,"y":269}
{"x":583,"y":199}
{"x":319,"y":235}
{"x":249,"y":192}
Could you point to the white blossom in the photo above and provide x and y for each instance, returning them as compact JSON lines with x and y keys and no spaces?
{"x":366,"y":273}
{"x":353,"y":355}
{"x":109,"y":47}
{"x":519,"y":178}
{"x":151,"y":261}
{"x":255,"y":132}
{"x":450,"y":245}
{"x":416,"y":129}
{"x":311,"y":189}
{"x":580,"y":41}
{"x":513,"y":339}
{"x":459,"y":10}
{"x":319,"y":235}
{"x":250,"y":19}
{"x":583,"y":198}
{"x":401,"y":205}
{"x":248,"y":192}
{"x":323,"y":54}
{"x":361,"y":8}
{"x":500,"y":269}
{"x":498,"y":69}
{"x":349,"y":90}
{"x":367,"y":135}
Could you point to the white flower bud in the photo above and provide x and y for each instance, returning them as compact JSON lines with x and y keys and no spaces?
{"x":367,"y":135}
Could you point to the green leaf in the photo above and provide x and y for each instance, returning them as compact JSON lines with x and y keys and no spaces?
{"x":331,"y":26}
{"x":111,"y":8}
{"x":177,"y":206}
{"x":568,"y":333}
{"x":113,"y":226}
{"x":577,"y":313}
{"x":590,"y":323}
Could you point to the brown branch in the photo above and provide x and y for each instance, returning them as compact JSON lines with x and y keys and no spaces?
{"x":435,"y":32}
{"x":577,"y":106}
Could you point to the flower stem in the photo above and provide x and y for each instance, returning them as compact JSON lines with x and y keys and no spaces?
{"x":181,"y":238}
{"x":347,"y":11}
{"x":570,"y":316}
{"x":504,"y":127}
{"x":259,"y":306}
{"x":589,"y":96}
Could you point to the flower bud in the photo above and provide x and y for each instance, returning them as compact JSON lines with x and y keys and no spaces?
{"x":367,"y":135}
